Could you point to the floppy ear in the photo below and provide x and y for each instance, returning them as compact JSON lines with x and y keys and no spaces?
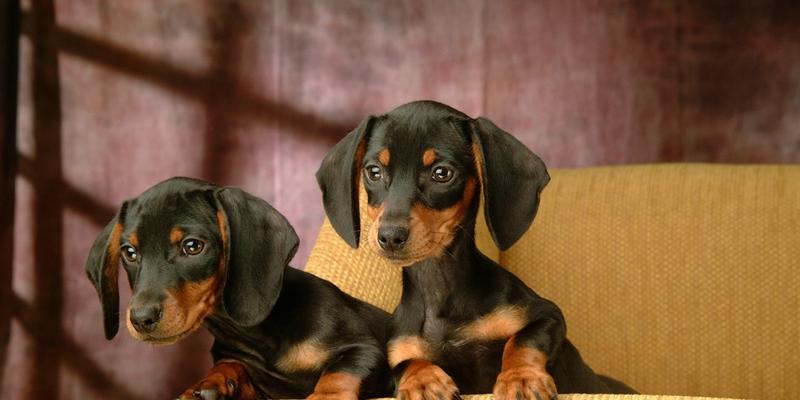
{"x":259,"y":242}
{"x":338,"y":178}
{"x":512,"y":178}
{"x":102,"y":268}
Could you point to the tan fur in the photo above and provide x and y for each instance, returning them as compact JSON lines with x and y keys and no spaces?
{"x":523,"y":367}
{"x":187,"y":306}
{"x":113,"y":245}
{"x":406,"y":348}
{"x":476,"y":155}
{"x":308,"y":355}
{"x":224,"y":371}
{"x":223,"y":237}
{"x":175,"y":235}
{"x":375,"y":212}
{"x":223,"y":233}
{"x":430,"y":231}
{"x":339,"y":385}
{"x":424,"y":380}
{"x":501,"y":323}
{"x":111,"y":269}
{"x":428,"y":157}
{"x":515,"y":356}
{"x":384,"y":157}
{"x":133,"y":239}
{"x":183,"y":311}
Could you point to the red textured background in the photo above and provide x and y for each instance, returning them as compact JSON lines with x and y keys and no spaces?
{"x":115,"y":96}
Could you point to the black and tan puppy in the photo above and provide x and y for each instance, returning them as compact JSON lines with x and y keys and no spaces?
{"x":198,"y":254}
{"x":464,"y":323}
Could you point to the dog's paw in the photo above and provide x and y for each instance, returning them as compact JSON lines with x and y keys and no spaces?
{"x":336,"y":386}
{"x":423,"y":380}
{"x":226,"y":381}
{"x":339,"y":395}
{"x":525,"y":383}
{"x":210,"y":389}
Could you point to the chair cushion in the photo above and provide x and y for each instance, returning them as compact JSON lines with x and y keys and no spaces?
{"x":674,"y":278}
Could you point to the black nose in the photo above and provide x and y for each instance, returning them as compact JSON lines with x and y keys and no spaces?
{"x":392,"y":238}
{"x":145,"y":318}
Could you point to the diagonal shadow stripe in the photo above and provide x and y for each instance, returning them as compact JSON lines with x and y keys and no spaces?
{"x":186,"y":83}
{"x":74,"y":356}
{"x":72,"y":197}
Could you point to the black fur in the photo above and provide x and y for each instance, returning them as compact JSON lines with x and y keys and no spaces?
{"x":266,"y":306}
{"x":444,"y":292}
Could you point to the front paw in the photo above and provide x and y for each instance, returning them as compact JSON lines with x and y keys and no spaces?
{"x":336,"y":386}
{"x":525,"y":383}
{"x":226,"y":381}
{"x":211,"y":389}
{"x":340,"y":395}
{"x":423,"y":380}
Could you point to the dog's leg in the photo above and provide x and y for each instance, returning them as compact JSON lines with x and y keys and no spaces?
{"x":342,"y":379}
{"x":523,"y":374}
{"x":419,"y":378}
{"x":336,"y":386}
{"x":227,"y":380}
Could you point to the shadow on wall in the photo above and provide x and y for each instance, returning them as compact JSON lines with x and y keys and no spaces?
{"x":52,"y":349}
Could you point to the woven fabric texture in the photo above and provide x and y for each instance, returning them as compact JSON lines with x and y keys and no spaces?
{"x":582,"y":396}
{"x":677,"y":279}
{"x":603,"y":397}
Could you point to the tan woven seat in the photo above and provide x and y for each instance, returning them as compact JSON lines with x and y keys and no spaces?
{"x":679,"y":279}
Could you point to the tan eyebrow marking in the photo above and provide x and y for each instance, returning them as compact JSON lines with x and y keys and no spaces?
{"x":175,"y":235}
{"x":134,"y":239}
{"x":428,"y":157}
{"x":384,"y":157}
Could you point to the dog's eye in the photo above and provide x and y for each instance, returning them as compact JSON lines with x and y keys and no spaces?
{"x":373,"y":172}
{"x":442,"y":174}
{"x":192,"y":247}
{"x":129,"y":254}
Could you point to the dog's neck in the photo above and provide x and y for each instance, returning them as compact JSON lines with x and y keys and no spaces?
{"x":440,"y":278}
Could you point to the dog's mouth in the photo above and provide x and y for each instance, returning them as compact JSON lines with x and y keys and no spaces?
{"x":157,"y":339}
{"x":396,"y":257}
{"x":175,"y":327}
{"x":405,"y":257}
{"x":163,"y":337}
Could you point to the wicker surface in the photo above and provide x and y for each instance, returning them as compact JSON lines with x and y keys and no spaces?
{"x":604,"y":397}
{"x":678,"y":278}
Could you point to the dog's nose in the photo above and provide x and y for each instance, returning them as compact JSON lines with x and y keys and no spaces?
{"x":392,"y":238}
{"x":145,"y":318}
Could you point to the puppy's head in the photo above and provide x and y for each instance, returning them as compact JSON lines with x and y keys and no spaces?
{"x":422,"y":166}
{"x":188,"y":247}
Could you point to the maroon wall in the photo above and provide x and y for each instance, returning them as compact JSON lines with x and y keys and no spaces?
{"x":115,"y":96}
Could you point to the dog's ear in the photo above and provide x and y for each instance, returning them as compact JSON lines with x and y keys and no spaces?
{"x":258,"y":244}
{"x":512,"y":178}
{"x":102,"y":268}
{"x":338,"y":178}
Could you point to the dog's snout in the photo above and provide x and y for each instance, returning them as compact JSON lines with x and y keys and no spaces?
{"x":392,"y":238}
{"x":145,"y":318}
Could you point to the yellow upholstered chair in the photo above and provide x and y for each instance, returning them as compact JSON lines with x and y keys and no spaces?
{"x":678,"y":279}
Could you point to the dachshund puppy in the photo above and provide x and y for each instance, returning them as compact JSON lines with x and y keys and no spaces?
{"x":464,"y":324}
{"x":198,"y":254}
